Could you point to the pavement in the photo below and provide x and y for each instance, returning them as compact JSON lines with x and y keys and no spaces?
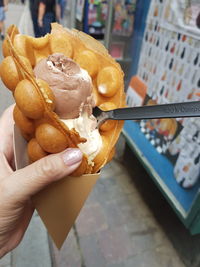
{"x":125,"y":222}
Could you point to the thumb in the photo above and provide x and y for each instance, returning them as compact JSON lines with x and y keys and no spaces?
{"x":25,"y":182}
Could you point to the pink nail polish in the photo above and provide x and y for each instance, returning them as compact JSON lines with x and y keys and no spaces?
{"x":72,"y":156}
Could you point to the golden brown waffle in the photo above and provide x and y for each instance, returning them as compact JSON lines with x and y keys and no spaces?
{"x":34,"y":111}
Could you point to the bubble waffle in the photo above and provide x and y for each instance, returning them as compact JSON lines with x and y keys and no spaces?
{"x":34,"y":112}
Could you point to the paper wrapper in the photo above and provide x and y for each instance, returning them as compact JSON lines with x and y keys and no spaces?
{"x":59,"y":204}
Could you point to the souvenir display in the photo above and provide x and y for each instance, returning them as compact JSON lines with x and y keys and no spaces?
{"x":123,"y":17}
{"x":187,"y":147}
{"x":97,"y":15}
{"x":169,"y":66}
{"x":183,"y":15}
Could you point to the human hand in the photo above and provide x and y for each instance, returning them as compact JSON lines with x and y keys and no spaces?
{"x":17,"y":187}
{"x":6,"y":133}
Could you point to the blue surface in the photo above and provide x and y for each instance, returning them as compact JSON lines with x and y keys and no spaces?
{"x":141,"y":11}
{"x":161,"y":165}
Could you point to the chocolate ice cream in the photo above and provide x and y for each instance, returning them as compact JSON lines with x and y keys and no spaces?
{"x":72,"y":86}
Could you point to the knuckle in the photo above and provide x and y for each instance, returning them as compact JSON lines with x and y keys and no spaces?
{"x":47,"y":167}
{"x":3,"y":189}
{"x":6,"y":191}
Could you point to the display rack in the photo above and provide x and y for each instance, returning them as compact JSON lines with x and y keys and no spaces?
{"x":154,"y":36}
{"x":185,"y":203}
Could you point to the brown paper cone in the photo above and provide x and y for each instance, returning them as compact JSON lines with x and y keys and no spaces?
{"x":59,"y":204}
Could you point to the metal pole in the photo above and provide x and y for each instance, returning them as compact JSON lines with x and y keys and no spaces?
{"x":73,"y":14}
{"x":108,"y":24}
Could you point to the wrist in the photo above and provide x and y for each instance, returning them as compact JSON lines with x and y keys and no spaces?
{"x":3,"y":252}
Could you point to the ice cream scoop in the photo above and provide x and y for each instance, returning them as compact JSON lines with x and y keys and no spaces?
{"x":72,"y":85}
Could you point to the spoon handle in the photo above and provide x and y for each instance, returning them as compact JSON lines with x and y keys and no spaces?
{"x":175,"y":110}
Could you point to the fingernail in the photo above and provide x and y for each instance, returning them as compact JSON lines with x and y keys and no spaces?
{"x":72,"y":156}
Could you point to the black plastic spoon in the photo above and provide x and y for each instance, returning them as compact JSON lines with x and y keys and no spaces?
{"x":174,"y":110}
